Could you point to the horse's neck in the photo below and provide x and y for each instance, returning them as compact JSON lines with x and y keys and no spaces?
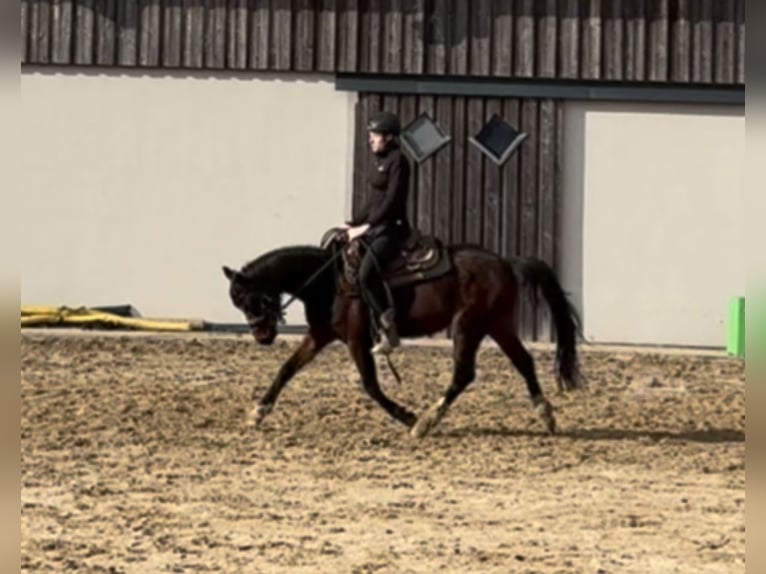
{"x":295,"y":274}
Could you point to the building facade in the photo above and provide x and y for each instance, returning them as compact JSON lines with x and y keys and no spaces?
{"x":165,"y":138}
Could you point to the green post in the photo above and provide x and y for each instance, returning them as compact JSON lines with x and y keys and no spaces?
{"x":735,"y":339}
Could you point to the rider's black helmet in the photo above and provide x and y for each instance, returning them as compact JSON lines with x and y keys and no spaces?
{"x":384,"y":123}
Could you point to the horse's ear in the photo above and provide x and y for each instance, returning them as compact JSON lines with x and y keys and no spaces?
{"x":230,"y":273}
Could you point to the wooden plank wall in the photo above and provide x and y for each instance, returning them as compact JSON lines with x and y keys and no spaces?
{"x":462,"y":197}
{"x":700,"y":41}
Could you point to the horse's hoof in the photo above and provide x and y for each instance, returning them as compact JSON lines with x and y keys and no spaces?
{"x":429,"y":420}
{"x":256,"y":416}
{"x":421,"y":428}
{"x":545,"y":410}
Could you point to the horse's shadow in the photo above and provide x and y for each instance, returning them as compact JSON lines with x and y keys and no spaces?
{"x":712,"y":436}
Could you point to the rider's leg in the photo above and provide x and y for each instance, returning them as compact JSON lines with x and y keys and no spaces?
{"x":382,"y":249}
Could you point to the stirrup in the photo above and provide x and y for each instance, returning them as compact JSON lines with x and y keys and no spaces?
{"x":389,"y":338}
{"x":383,"y":347}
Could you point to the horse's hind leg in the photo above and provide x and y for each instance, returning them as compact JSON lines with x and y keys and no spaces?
{"x":466,"y":345}
{"x":509,"y":342}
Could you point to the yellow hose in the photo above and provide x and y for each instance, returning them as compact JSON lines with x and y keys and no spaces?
{"x":32,"y":316}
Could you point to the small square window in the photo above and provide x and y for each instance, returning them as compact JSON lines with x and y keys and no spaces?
{"x":422,"y":138}
{"x":498,"y":140}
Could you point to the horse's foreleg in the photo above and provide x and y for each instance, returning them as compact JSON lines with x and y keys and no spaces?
{"x":309,"y":348}
{"x":366,"y":366}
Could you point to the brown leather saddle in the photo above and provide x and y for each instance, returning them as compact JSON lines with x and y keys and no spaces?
{"x":422,"y":258}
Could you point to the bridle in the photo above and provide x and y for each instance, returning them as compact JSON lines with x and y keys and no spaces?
{"x":272,"y":312}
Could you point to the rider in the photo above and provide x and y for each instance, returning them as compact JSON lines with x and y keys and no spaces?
{"x":383,"y":221}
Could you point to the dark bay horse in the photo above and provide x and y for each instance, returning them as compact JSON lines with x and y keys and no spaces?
{"x":478,"y":298}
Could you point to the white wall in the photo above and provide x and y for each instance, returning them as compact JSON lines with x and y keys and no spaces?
{"x":137,"y":186}
{"x":653,"y":219}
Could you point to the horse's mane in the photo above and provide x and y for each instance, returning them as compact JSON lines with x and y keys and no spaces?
{"x":274,"y":261}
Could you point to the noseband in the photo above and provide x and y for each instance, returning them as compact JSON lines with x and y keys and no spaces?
{"x":272,"y":312}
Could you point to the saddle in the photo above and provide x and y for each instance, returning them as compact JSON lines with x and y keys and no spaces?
{"x":422,"y":258}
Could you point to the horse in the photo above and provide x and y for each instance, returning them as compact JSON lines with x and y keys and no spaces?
{"x":434,"y":286}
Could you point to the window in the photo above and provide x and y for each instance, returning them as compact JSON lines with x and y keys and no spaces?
{"x":498,"y":140}
{"x":422,"y":138}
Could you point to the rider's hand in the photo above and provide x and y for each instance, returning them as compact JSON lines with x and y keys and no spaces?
{"x":354,"y":232}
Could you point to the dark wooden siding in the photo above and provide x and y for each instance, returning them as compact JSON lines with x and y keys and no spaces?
{"x":462,"y":197}
{"x":699,"y":41}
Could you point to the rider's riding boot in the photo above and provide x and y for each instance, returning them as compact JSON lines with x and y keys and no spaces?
{"x":389,"y":337}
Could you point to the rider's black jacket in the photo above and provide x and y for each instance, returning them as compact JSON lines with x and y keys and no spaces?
{"x":389,"y":181}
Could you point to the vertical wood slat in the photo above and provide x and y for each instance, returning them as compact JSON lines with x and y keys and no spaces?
{"x":569,"y":45}
{"x":327,"y":36}
{"x":281,"y":38}
{"x":305,"y":34}
{"x":725,"y":42}
{"x":106,"y":42}
{"x":215,"y":34}
{"x":614,"y":40}
{"x":474,"y":191}
{"x":414,"y":32}
{"x":239,"y":41}
{"x":151,"y":41}
{"x":547,"y":34}
{"x":371,"y":36}
{"x":443,"y":177}
{"x":62,"y":16}
{"x":491,"y":189}
{"x":194,"y":33}
{"x":40,"y":33}
{"x":260,"y":34}
{"x":127,"y":24}
{"x":558,"y":185}
{"x":425,"y":178}
{"x":359,"y":190}
{"x":702,"y":41}
{"x":33,"y":27}
{"x":348,"y":36}
{"x":546,"y":220}
{"x":658,"y":40}
{"x":740,"y":23}
{"x":502,"y":38}
{"x":24,"y":17}
{"x":524,"y":49}
{"x":392,"y":36}
{"x":681,"y":39}
{"x":55,"y":26}
{"x":511,"y":189}
{"x":458,"y":47}
{"x":590,"y":67}
{"x":459,"y":145}
{"x":437,"y":43}
{"x":528,"y":207}
{"x":479,"y":50}
{"x":635,"y":40}
{"x":172,"y":32}
{"x":85,"y":26}
{"x":408,"y":110}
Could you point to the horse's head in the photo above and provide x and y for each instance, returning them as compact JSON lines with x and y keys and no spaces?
{"x":262,"y":308}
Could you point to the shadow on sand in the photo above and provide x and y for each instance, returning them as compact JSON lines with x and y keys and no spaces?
{"x":711,"y":436}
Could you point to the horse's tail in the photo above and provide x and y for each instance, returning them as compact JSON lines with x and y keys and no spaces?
{"x":537,"y":273}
